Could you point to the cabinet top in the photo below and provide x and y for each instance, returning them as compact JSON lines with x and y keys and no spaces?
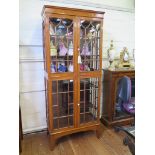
{"x":119,"y":71}
{"x":47,"y":9}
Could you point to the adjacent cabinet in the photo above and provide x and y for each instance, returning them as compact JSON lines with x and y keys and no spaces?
{"x":111,"y":116}
{"x":72,"y":45}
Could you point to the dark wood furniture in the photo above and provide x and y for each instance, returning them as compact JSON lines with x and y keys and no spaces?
{"x":110,"y":116}
{"x":72,"y":45}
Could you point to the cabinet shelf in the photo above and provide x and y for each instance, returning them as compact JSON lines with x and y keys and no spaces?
{"x":58,"y":56}
{"x":61,"y":36}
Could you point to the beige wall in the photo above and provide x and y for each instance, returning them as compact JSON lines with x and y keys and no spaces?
{"x":118,"y":25}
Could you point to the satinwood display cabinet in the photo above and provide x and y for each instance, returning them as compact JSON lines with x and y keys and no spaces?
{"x":72,"y":45}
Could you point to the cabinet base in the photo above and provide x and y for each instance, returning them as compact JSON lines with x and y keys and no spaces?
{"x":124,"y":121}
{"x":56,"y":135}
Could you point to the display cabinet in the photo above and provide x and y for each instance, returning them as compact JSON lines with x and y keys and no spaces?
{"x":111,"y":114}
{"x":72,"y":45}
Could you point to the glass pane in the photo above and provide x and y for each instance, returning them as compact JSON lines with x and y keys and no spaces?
{"x":63,"y":122}
{"x":62,"y":99}
{"x":55,"y":123}
{"x":89,"y":45}
{"x":54,"y":86}
{"x":88,"y":100}
{"x":54,"y":99}
{"x":61,"y":45}
{"x":125,"y":98}
{"x":71,"y":121}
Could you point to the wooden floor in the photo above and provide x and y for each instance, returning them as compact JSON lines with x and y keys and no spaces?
{"x":85,"y":143}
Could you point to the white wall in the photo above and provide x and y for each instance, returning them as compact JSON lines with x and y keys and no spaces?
{"x":118,"y":25}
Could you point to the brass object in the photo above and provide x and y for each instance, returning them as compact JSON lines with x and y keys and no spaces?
{"x":124,"y":61}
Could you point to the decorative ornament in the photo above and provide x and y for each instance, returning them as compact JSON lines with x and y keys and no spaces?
{"x":53,"y":50}
{"x":81,"y":67}
{"x":62,"y":49}
{"x":111,"y":55}
{"x":85,"y":50}
{"x":62,"y":68}
{"x":124,"y":62}
{"x":70,"y":50}
{"x":70,"y":68}
{"x":53,"y":68}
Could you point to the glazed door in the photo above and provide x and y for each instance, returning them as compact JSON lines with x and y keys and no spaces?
{"x":89,"y":69}
{"x":62,"y":34}
{"x":90,"y":45}
{"x":89,"y":100}
{"x":63,"y":103}
{"x":62,"y":50}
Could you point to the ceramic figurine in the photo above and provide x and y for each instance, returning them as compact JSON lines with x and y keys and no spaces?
{"x":85,"y":50}
{"x":70,"y":50}
{"x":62,"y":49}
{"x":81,"y":67}
{"x":62,"y":68}
{"x":53,"y":50}
{"x":53,"y":68}
{"x":111,"y":55}
{"x":86,"y":66}
{"x":70,"y":68}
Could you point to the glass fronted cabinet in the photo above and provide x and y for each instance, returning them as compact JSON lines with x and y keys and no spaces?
{"x":72,"y":45}
{"x":118,"y":89}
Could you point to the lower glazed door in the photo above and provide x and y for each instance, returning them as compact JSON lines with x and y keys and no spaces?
{"x":63,"y":103}
{"x":89,"y":101}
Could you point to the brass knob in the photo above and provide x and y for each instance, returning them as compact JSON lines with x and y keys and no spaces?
{"x":78,"y":104}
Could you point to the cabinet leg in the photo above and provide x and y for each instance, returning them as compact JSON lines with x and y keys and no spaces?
{"x":97,"y":132}
{"x":52,"y":143}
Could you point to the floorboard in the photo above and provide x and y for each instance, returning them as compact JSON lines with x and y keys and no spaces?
{"x":83,"y":143}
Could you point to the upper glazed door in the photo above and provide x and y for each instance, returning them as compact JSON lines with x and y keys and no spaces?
{"x":62,"y":49}
{"x":90,"y":44}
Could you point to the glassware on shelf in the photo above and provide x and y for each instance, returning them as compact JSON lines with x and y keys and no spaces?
{"x":70,"y":50}
{"x":85,"y":50}
{"x":53,"y":50}
{"x":62,"y":49}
